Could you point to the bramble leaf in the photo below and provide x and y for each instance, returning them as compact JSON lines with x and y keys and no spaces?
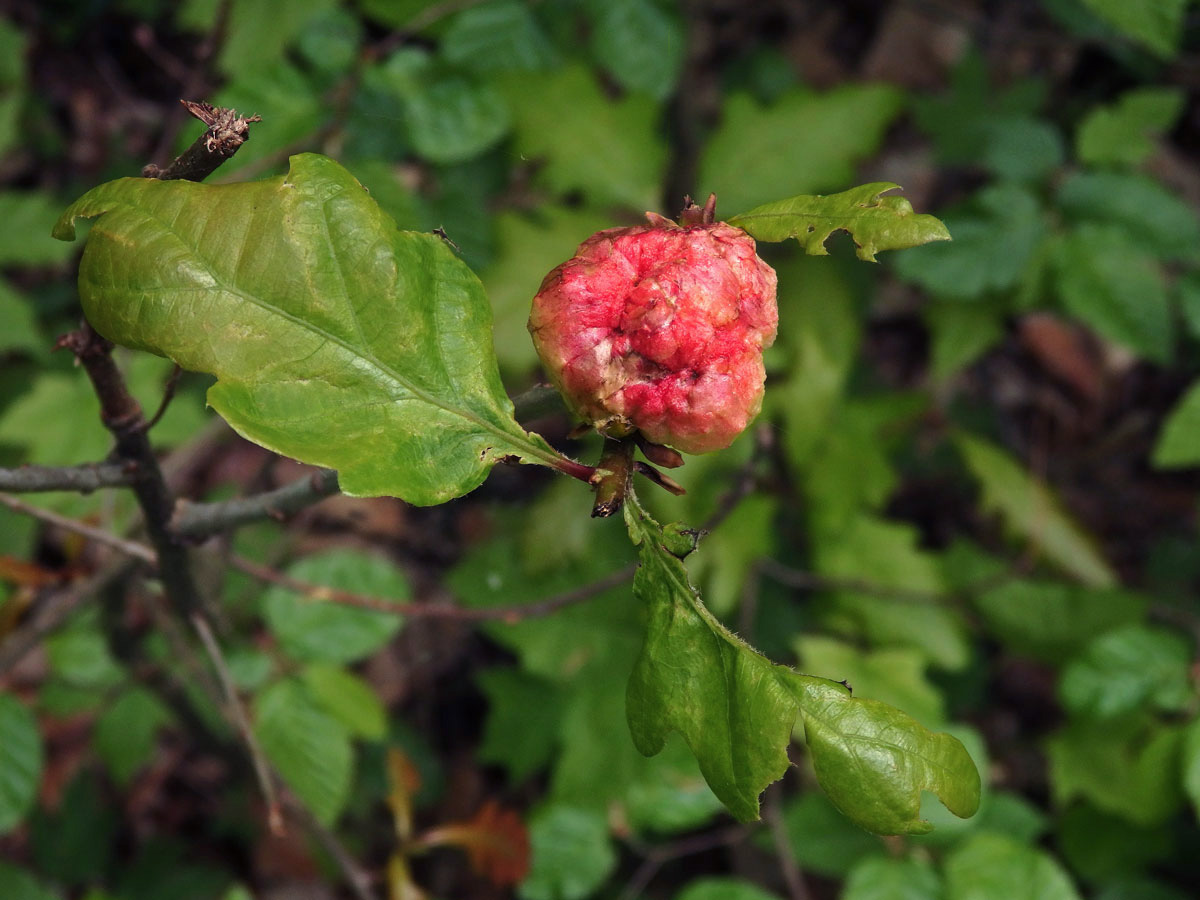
{"x":735,"y":709}
{"x":873,"y":221}
{"x":336,"y":339}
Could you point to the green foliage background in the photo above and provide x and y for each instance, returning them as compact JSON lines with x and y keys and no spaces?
{"x":944,"y":513}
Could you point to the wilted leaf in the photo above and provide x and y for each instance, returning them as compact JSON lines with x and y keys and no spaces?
{"x":336,"y":339}
{"x":496,"y":842}
{"x":873,"y":221}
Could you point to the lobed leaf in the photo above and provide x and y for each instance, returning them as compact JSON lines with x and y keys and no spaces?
{"x":335,"y":338}
{"x":873,"y":221}
{"x":735,"y":709}
{"x":874,"y":760}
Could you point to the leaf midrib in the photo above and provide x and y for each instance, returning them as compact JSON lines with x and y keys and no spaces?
{"x":385,"y":370}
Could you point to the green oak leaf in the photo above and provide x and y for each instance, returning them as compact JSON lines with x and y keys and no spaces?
{"x":874,"y":760}
{"x":736,"y":710}
{"x":873,"y":221}
{"x":336,"y":339}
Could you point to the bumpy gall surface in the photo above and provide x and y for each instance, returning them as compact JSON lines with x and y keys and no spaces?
{"x":660,"y":328}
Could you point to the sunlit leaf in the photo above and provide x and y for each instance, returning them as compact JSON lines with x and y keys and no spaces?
{"x":336,"y":339}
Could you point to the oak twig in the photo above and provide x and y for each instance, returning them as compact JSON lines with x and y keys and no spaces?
{"x":199,"y":520}
{"x":227,"y":131}
{"x":82,"y":479}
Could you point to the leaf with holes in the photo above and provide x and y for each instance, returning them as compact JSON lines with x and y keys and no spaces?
{"x":873,"y":221}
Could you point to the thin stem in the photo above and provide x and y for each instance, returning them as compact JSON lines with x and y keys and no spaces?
{"x":129,"y":548}
{"x":52,"y":610}
{"x":237,"y":712}
{"x":168,"y":396}
{"x":508,"y":614}
{"x":788,"y":866}
{"x":81,"y":479}
{"x":199,"y":520}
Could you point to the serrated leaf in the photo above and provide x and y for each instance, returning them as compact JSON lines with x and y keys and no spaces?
{"x":640,"y":44}
{"x":611,"y":150}
{"x":1130,"y":668}
{"x":572,"y":854}
{"x":347,"y":698}
{"x":326,"y":631}
{"x":1121,"y":133}
{"x":1108,"y":283}
{"x":873,"y":221}
{"x":874,"y":761}
{"x":1032,"y":512}
{"x":502,"y":34}
{"x":735,"y":709}
{"x":803,"y":142}
{"x":309,"y":747}
{"x":20,"y":761}
{"x":993,"y":867}
{"x":335,"y":338}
